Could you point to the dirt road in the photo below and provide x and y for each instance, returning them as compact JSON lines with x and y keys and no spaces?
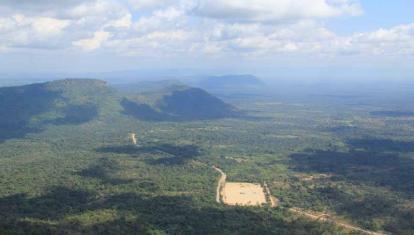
{"x":220,"y":183}
{"x":311,"y":215}
{"x":325,"y":218}
{"x":133,"y":138}
{"x":273,"y":200}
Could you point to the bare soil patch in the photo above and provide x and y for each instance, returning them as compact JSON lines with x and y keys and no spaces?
{"x":244,"y":194}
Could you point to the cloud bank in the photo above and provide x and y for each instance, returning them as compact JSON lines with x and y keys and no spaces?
{"x":189,"y":28}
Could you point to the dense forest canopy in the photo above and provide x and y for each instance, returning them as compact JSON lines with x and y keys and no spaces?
{"x":67,"y":164}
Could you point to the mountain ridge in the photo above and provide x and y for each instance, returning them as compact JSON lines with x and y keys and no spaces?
{"x":177,"y":103}
{"x":29,"y":108}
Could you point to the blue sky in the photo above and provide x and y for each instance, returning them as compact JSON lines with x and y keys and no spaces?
{"x":271,"y":38}
{"x":377,"y":14}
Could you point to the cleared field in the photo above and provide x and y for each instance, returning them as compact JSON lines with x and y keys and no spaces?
{"x":245,"y":194}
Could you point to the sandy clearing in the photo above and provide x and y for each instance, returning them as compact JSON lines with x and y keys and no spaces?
{"x":248,"y":194}
{"x":245,"y":194}
{"x":240,"y":193}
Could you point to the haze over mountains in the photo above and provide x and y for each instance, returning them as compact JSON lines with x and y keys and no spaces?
{"x":229,"y":82}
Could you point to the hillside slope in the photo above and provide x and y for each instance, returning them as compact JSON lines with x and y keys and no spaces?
{"x":25,"y":109}
{"x":29,"y":108}
{"x":177,"y":103}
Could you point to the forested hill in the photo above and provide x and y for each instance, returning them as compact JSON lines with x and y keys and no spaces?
{"x":25,"y":109}
{"x":176,"y":103}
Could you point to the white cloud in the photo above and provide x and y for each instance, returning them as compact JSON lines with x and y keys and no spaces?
{"x":273,"y":11}
{"x":184,"y":28}
{"x":398,"y":40}
{"x":145,"y":4}
{"x":107,"y":9}
{"x":123,"y":22}
{"x":20,"y":31}
{"x":44,"y":26}
{"x":90,"y":44}
{"x":165,"y":19}
{"x":155,"y":44}
{"x":49,"y":26}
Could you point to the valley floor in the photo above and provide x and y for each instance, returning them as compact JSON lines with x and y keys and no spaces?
{"x":341,"y":156}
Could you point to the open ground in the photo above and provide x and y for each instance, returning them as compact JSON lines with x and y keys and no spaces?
{"x":246,"y":194}
{"x":241,"y":193}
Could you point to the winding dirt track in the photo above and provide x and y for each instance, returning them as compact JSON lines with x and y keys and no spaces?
{"x":133,"y":138}
{"x":221,"y":183}
{"x":272,"y":200}
{"x":324,"y":218}
{"x":310,"y":215}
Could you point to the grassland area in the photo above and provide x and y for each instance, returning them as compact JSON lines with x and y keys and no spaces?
{"x":327,"y":155}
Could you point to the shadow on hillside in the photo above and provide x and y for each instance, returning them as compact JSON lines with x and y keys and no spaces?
{"x":76,"y":114}
{"x":18,"y":105}
{"x":54,"y":204}
{"x":343,"y":130}
{"x":177,"y":113}
{"x":367,"y":168}
{"x":166,"y":154}
{"x":103,"y":170}
{"x":16,"y":132}
{"x":382,"y":145}
{"x":370,"y":208}
{"x":380,"y":169}
{"x":56,"y":211}
{"x":143,"y":112}
{"x":394,"y":113}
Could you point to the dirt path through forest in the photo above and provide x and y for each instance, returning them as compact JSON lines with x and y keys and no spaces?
{"x":273,"y":200}
{"x":220,"y":183}
{"x":311,"y":215}
{"x":133,"y":138}
{"x":325,"y":218}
